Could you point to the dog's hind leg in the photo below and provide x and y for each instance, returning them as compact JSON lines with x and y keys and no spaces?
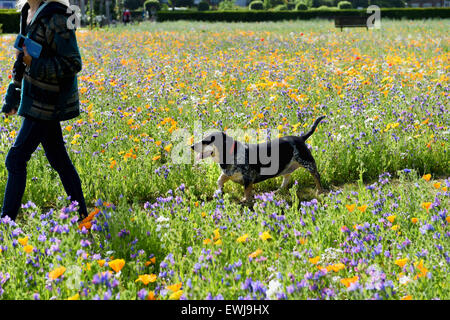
{"x":248,"y":188}
{"x":221,"y":181}
{"x":313,"y":170}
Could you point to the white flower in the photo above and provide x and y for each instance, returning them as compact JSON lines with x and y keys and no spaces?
{"x":162,"y":219}
{"x":274,"y":288}
{"x":404,"y":280}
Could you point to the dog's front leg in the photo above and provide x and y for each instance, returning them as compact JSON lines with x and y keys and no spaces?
{"x":221,"y":181}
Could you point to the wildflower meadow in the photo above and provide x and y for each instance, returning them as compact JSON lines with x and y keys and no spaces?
{"x":157,"y":228}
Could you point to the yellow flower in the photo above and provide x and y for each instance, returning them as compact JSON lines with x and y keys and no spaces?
{"x":351,"y":207}
{"x":74,"y":297}
{"x":401,"y":262}
{"x":391,"y":218}
{"x":216,"y":235}
{"x":423,"y":271}
{"x":362,"y":208}
{"x":336,"y":267}
{"x":101,"y":263}
{"x":146,"y":278}
{"x":85,"y":224}
{"x":314,"y":260}
{"x":447,"y":219}
{"x":117,"y":264}
{"x":156,"y":157}
{"x":218,"y":242}
{"x":176,"y":295}
{"x":348,"y":281}
{"x":414,"y":220}
{"x":168,"y":148}
{"x":265,"y":236}
{"x":242,"y":238}
{"x":426,"y":205}
{"x":23,"y":241}
{"x":395,"y":228}
{"x":28,"y":249}
{"x":437,"y":185}
{"x":207,"y":241}
{"x":151,"y":296}
{"x":406,"y":298}
{"x":175,"y":287}
{"x":151,"y":261}
{"x":426,"y":177}
{"x":255,"y":253}
{"x":56,"y":273}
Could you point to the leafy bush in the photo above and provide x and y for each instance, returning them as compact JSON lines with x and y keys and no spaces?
{"x":329,"y":13}
{"x":256,"y":5}
{"x":183,"y":3}
{"x":9,"y":19}
{"x":324,"y":8}
{"x":321,"y":3}
{"x":280,"y":7}
{"x":152,"y":4}
{"x":270,"y":4}
{"x":389,"y":3}
{"x":226,"y":5}
{"x":301,"y":6}
{"x":344,"y":5}
{"x":133,"y":4}
{"x":203,"y":6}
{"x":290,"y":5}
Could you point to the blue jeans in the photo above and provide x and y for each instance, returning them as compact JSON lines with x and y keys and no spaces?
{"x":31,"y":134}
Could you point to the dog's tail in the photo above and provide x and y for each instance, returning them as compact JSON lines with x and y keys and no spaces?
{"x":310,"y":132}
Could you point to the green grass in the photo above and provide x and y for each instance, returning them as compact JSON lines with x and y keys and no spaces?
{"x":385,"y":94}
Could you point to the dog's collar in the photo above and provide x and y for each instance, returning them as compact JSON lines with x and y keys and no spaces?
{"x":232,"y":147}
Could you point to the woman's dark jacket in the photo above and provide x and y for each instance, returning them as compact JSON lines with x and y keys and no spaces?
{"x":49,"y":88}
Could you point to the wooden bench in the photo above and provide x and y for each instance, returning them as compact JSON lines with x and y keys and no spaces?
{"x":350,"y":22}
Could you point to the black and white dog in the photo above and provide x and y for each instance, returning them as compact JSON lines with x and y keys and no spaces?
{"x":247,"y":164}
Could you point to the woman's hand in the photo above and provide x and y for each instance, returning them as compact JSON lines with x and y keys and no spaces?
{"x":12,"y":112}
{"x":26,"y":56}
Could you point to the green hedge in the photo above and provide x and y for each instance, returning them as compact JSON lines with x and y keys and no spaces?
{"x":10,"y":20}
{"x":238,"y":16}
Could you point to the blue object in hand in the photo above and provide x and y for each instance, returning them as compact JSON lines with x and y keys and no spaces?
{"x":33,"y":48}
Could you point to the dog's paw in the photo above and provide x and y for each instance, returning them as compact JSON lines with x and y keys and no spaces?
{"x":247,"y":200}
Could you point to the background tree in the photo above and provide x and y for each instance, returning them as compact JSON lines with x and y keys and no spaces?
{"x":133,"y":4}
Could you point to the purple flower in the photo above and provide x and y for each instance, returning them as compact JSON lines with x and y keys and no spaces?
{"x":142,"y":294}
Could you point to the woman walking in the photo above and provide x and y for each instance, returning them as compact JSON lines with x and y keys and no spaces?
{"x":44,"y":91}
